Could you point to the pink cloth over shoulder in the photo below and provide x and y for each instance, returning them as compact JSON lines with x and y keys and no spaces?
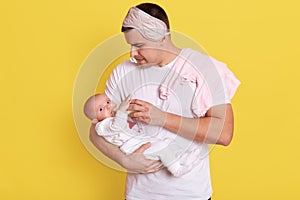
{"x":214,"y":83}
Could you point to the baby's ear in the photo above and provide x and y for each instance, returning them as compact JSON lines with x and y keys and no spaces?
{"x":95,"y":121}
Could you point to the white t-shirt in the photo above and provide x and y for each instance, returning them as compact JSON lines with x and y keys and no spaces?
{"x":144,"y":84}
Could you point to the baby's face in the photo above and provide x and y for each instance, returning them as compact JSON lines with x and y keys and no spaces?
{"x":104,"y":107}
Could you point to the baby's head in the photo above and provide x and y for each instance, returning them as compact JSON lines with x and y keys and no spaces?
{"x":99,"y":107}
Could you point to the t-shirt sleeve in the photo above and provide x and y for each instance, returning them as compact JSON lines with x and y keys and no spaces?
{"x":230,"y":82}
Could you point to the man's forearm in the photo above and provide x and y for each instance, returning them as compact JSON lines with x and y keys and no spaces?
{"x":134,"y":163}
{"x":215,"y":128}
{"x":110,"y":150}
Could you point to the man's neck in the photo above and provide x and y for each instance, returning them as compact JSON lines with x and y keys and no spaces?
{"x":169,"y":55}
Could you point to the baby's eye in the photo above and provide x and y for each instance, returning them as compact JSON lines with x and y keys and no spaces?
{"x":108,"y":102}
{"x":100,"y":109}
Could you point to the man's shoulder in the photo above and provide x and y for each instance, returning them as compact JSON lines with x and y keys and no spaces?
{"x":194,"y":54}
{"x":123,"y":68}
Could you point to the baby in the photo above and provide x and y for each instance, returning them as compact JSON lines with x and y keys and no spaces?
{"x":114,"y":126}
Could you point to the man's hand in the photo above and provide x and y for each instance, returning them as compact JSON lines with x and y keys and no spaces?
{"x":137,"y":163}
{"x":146,"y":112}
{"x":134,"y":163}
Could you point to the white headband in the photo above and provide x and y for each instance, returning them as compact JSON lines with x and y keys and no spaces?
{"x":148,"y":26}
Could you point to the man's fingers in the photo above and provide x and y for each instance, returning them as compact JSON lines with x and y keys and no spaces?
{"x":145,"y":120}
{"x":156,"y":166}
{"x":138,"y":102}
{"x":143,"y":148}
{"x":137,"y":114}
{"x":136,"y":107}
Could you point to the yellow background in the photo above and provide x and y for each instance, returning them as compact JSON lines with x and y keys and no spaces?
{"x":43,"y":44}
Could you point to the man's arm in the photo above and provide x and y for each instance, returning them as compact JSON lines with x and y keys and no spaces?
{"x":216,"y":127}
{"x":134,"y":163}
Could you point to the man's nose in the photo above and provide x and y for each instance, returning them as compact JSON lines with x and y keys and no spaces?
{"x":133,"y":51}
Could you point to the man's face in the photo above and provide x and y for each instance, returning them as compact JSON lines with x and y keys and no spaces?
{"x":146,"y":53}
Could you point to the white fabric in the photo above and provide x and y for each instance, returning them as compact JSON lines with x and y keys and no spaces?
{"x":149,"y":27}
{"x":144,"y":83}
{"x":116,"y":131}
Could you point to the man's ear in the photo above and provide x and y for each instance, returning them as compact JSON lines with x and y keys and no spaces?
{"x":95,"y":121}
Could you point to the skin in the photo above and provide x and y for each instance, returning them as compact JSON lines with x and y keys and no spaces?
{"x":134,"y":163}
{"x":148,"y":53}
{"x":104,"y":107}
{"x":99,"y":107}
{"x":216,"y":127}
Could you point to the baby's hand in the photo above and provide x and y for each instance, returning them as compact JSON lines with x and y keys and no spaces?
{"x":124,"y":105}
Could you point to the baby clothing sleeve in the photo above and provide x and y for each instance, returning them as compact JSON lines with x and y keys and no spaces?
{"x":115,"y":129}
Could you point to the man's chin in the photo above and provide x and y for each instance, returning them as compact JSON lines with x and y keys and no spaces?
{"x":145,"y":64}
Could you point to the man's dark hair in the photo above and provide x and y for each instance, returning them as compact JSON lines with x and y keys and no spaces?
{"x":155,"y":11}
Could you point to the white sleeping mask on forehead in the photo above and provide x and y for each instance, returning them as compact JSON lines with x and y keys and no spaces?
{"x":148,"y":26}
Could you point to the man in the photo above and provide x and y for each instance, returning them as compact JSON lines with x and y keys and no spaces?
{"x":181,"y":95}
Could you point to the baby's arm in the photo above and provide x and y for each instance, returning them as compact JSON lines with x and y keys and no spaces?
{"x":116,"y":129}
{"x":121,"y":117}
{"x":124,"y":104}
